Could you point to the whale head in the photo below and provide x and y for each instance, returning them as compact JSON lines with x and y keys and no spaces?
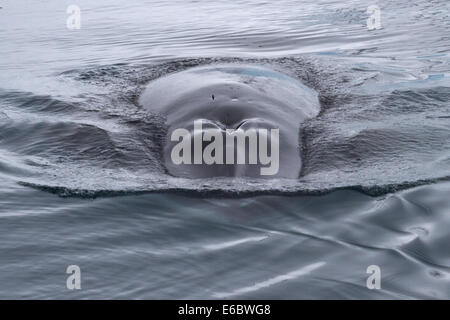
{"x":231,"y":120}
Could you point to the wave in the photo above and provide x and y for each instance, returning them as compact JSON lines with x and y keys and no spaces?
{"x":102,"y":143}
{"x":196,"y":191}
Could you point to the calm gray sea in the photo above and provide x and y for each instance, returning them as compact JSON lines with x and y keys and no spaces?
{"x":82,"y":182}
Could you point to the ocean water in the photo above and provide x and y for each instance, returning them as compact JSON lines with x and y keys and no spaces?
{"x":83,"y":182}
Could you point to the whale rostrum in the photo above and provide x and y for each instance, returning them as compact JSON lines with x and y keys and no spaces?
{"x":231,"y":120}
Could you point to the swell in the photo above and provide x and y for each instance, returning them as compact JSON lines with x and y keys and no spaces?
{"x":198,"y":191}
{"x":102,"y":143}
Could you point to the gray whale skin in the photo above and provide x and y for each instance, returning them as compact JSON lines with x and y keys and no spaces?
{"x":229,"y":96}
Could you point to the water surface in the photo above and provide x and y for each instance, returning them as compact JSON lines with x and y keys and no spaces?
{"x":84,"y":184}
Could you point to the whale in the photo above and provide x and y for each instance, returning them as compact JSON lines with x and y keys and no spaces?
{"x":226,"y":99}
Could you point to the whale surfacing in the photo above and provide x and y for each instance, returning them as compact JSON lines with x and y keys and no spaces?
{"x":220,"y":119}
